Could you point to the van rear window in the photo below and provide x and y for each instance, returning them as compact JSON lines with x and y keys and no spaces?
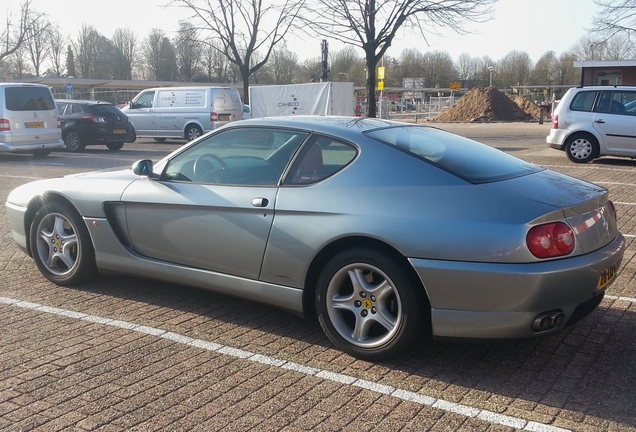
{"x":28,"y":99}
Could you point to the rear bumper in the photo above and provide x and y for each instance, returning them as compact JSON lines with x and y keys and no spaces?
{"x":27,"y":148}
{"x":499,"y":301}
{"x":556,"y":138}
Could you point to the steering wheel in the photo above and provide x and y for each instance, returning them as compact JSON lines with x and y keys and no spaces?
{"x":206,"y":163}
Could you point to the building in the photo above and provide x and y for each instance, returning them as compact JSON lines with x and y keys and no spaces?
{"x":607,"y":72}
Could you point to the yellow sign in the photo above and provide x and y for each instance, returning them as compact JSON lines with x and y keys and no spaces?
{"x":455,"y":86}
{"x":381,"y":85}
{"x":381,"y":72}
{"x":545,"y":91}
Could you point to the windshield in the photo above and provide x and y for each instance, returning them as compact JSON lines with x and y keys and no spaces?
{"x":465,"y":158}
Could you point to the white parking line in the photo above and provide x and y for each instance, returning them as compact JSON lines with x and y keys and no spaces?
{"x":627,"y":299}
{"x":488,"y":416}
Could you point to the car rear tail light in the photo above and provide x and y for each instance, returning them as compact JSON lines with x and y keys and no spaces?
{"x":95,"y":119}
{"x":5,"y":125}
{"x":555,"y":122}
{"x":214,"y":117}
{"x":550,"y":240}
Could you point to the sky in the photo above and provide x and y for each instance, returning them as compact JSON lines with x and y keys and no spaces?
{"x":533,"y":26}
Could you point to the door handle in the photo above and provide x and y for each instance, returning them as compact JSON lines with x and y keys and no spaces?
{"x":260,"y":202}
{"x":599,"y":121}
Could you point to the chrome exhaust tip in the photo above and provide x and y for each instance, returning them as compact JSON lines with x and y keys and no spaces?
{"x":548,"y":320}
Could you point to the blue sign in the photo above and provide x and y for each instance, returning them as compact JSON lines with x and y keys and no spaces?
{"x":69,"y":88}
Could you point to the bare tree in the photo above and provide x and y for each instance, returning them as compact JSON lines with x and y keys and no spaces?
{"x":343,"y":60}
{"x":567,"y":73}
{"x":151,"y":52}
{"x":18,"y":31}
{"x":546,"y":70}
{"x":188,"y":49}
{"x":514,"y":69}
{"x":216,"y":65}
{"x":86,"y":50}
{"x":56,"y":45}
{"x":36,"y":43}
{"x":19,"y":62}
{"x":439,"y":69}
{"x":282,"y":65}
{"x":126,"y":43}
{"x":244,"y":27}
{"x":616,"y":16}
{"x":372,"y":25}
{"x":308,"y":71}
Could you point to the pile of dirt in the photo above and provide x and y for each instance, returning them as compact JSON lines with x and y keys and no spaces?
{"x":483,"y":104}
{"x":531,"y":108}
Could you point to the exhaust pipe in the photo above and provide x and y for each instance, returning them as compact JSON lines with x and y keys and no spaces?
{"x":548,"y":320}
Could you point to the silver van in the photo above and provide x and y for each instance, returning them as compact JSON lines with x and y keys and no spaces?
{"x":29,"y":122}
{"x":183,"y":112}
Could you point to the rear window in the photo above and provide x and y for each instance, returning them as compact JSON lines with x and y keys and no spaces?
{"x":583,"y":101}
{"x":104,"y":109}
{"x":470,"y":160}
{"x":28,"y":99}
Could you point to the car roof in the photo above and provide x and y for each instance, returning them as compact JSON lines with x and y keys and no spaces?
{"x":334,"y":125}
{"x":84,"y":102}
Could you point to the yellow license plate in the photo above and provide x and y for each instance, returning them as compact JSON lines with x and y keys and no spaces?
{"x":119,"y":131}
{"x":35,"y":125}
{"x":225,"y":117}
{"x":607,"y":277}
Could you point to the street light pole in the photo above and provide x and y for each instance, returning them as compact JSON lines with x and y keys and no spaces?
{"x":491,"y":69}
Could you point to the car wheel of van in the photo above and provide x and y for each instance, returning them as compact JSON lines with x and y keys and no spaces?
{"x":581,"y":148}
{"x":370,"y":306}
{"x":40,"y":153}
{"x":61,"y":246}
{"x":193,"y":132}
{"x":159,"y":139}
{"x":73,"y":141}
{"x":114,"y":146}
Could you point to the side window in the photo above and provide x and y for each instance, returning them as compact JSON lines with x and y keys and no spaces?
{"x":623,"y":102}
{"x":237,"y":156}
{"x":604,"y":102}
{"x":77,"y":109}
{"x":320,"y":158}
{"x":583,"y":101}
{"x":145,"y":100}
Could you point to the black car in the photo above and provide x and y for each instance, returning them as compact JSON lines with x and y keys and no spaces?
{"x":93,"y":122}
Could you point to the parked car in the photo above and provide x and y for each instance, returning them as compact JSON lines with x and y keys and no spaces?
{"x":93,"y":123}
{"x":590,"y":122}
{"x":391,"y":233}
{"x":183,"y":112}
{"x":247,"y":112}
{"x":29,"y":122}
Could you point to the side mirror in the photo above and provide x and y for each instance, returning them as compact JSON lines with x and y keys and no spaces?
{"x":143,"y":168}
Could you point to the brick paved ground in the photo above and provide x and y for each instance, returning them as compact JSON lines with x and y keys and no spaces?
{"x":90,"y":372}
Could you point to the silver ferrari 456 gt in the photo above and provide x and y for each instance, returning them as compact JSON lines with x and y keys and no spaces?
{"x":390,"y":233}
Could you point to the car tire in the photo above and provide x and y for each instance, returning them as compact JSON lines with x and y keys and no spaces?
{"x":115,"y":146}
{"x":160,"y":140}
{"x":581,"y":148}
{"x":193,"y":132}
{"x":61,"y":245}
{"x":74,"y":141}
{"x":370,"y":306}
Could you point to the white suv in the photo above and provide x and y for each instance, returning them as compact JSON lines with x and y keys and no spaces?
{"x":595,"y":121}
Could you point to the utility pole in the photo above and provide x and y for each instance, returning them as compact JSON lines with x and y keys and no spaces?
{"x":324,"y":67}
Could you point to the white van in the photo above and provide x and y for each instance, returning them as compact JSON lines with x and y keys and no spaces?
{"x":183,"y":112}
{"x":29,"y":122}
